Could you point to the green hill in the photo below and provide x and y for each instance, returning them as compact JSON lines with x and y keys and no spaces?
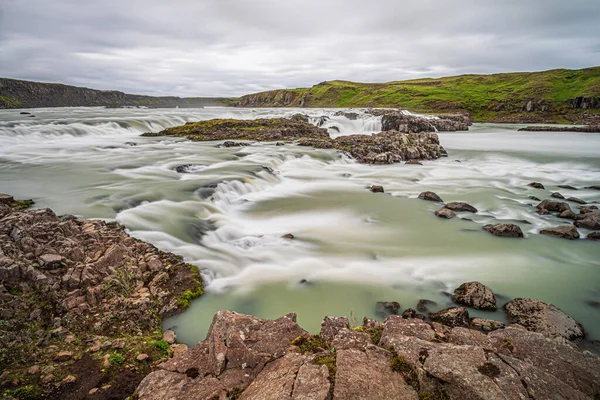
{"x":551,"y":96}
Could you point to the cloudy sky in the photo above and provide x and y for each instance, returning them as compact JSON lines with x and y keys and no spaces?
{"x":235,"y":47}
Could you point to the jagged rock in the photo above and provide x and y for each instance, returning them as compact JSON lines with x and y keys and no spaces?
{"x":504,"y":230}
{"x":593,"y":236}
{"x":476,"y":295}
{"x":460,"y":206}
{"x":557,"y":195}
{"x":453,"y":317}
{"x":576,"y":200}
{"x":591,"y":221}
{"x":538,"y":316}
{"x":376,"y":189}
{"x":396,"y":325}
{"x":385,"y":308}
{"x":425,"y":305}
{"x":536,"y":185}
{"x":51,"y":261}
{"x":430,"y":196}
{"x":563,"y":231}
{"x":486,"y":325}
{"x":445,"y":213}
{"x":331,"y":326}
{"x":553,"y":205}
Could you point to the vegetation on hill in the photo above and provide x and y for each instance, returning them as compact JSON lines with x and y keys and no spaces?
{"x":555,"y":96}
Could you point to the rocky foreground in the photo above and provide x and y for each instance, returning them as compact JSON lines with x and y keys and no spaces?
{"x":81,"y":304}
{"x":404,"y":137}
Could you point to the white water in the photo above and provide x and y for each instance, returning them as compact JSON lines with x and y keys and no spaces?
{"x":354,"y":247}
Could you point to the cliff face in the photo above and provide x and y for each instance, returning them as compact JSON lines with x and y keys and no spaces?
{"x":25,"y":94}
{"x":550,"y":96}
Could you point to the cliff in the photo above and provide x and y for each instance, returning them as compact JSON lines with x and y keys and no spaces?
{"x":25,"y":94}
{"x":563,"y":96}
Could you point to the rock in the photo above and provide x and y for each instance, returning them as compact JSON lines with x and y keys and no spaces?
{"x":430,"y":196}
{"x":576,"y":200}
{"x":169,"y":336}
{"x":445,"y":213}
{"x":486,"y":325}
{"x":543,"y":211}
{"x":534,"y":198}
{"x":178,"y":349}
{"x":331,"y":326}
{"x":460,"y":206}
{"x":547,"y":319}
{"x":563,"y":231}
{"x":557,"y":195}
{"x":376,"y":189}
{"x":595,"y":187}
{"x":46,"y":379}
{"x":591,"y":222}
{"x":93,"y":391}
{"x":396,"y":326}
{"x":593,"y":236}
{"x":183,"y":169}
{"x":453,"y":317}
{"x":409,"y":313}
{"x":588,"y":209}
{"x":34,"y":370}
{"x":568,"y":214}
{"x":51,"y":261}
{"x":63,"y":356}
{"x":536,"y":185}
{"x":288,"y":236}
{"x":69,"y":379}
{"x":385,"y":308}
{"x":567,"y":187}
{"x":425,"y":305}
{"x":475,"y":295}
{"x":504,"y":230}
{"x":553,"y":205}
{"x":414,"y":162}
{"x":142,"y":357}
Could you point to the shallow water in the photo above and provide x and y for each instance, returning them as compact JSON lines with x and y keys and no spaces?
{"x":351,"y":247}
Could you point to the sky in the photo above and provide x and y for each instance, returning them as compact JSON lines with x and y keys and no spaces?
{"x":236,"y":47}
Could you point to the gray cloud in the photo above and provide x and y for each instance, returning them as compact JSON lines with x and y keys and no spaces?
{"x":234,"y":47}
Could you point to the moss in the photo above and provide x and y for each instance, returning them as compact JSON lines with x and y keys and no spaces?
{"x":439,"y":394}
{"x":400,"y":365}
{"x":162,"y":346}
{"x":373,"y":331}
{"x":235,"y":393}
{"x":29,"y":392}
{"x":116,"y":359}
{"x":329,"y":360}
{"x":186,"y":297}
{"x":489,"y":369}
{"x":10,"y":102}
{"x":507,"y":344}
{"x":310,"y":345}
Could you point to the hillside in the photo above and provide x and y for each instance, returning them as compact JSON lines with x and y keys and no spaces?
{"x":551,"y":96}
{"x":25,"y":94}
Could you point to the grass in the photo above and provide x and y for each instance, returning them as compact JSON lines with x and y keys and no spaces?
{"x":485,"y":96}
{"x":9,"y":102}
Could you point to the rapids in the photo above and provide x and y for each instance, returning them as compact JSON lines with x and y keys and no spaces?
{"x":228,"y":213}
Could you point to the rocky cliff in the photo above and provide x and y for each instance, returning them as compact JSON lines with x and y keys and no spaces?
{"x":25,"y":94}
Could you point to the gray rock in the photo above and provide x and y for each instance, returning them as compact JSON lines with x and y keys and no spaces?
{"x":453,"y":317}
{"x":476,"y":295}
{"x":430,"y":196}
{"x":591,"y":222}
{"x":568,"y":214}
{"x":486,"y":325}
{"x":588,"y":209}
{"x":553,"y":205}
{"x":557,"y":195}
{"x":534,"y":198}
{"x":576,"y":200}
{"x":425,"y":305}
{"x":331,"y":326}
{"x":460,"y":206}
{"x":504,"y":230}
{"x":538,"y":316}
{"x":445,"y":213}
{"x":563,"y":231}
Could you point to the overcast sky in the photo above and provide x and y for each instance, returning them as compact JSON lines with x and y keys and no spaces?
{"x":235,"y":47}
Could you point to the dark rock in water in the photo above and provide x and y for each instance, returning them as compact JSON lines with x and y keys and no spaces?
{"x":279,"y":144}
{"x":588,"y":209}
{"x":586,"y":129}
{"x":536,"y":185}
{"x":385,"y":308}
{"x":534,"y":198}
{"x":183,"y":169}
{"x":131,"y":143}
{"x":476,"y":295}
{"x":453,"y":317}
{"x":350,"y":115}
{"x":25,"y":113}
{"x":504,"y":230}
{"x":595,"y":187}
{"x":425,"y":305}
{"x":557,"y":195}
{"x":458,"y":161}
{"x":409,"y":313}
{"x":553,"y":205}
{"x":591,"y":222}
{"x":563,"y":231}
{"x":430,"y":196}
{"x":445,"y":213}
{"x":543,"y":211}
{"x":304,"y":282}
{"x":346,"y":175}
{"x":567,"y":187}
{"x":593,"y":236}
{"x":268,"y":169}
{"x":300,"y":117}
{"x":376,"y":189}
{"x":576,"y":200}
{"x":31,"y":116}
{"x":231,"y":143}
{"x":322,"y":120}
{"x":288,"y":236}
{"x":460,"y":206}
{"x":414,"y":162}
{"x":568,"y":214}
{"x":547,"y":319}
{"x":486,"y":325}
{"x":334,"y":128}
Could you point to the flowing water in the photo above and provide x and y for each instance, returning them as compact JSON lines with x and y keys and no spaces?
{"x":352,"y":247}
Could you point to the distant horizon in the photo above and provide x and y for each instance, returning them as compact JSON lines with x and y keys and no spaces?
{"x":292,"y":88}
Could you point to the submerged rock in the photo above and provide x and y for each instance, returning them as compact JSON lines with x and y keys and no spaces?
{"x":445,"y":213}
{"x":386,"y":308}
{"x":567,"y":187}
{"x":534,"y":198}
{"x":568,"y":214}
{"x":453,"y":317}
{"x":476,"y":295}
{"x":376,"y":189}
{"x":576,"y":200}
{"x":553,"y":205}
{"x":563,"y":231}
{"x":460,"y":206}
{"x":425,"y":305}
{"x":504,"y":230}
{"x":430,"y":196}
{"x":595,"y":187}
{"x":536,"y":185}
{"x":545,"y":318}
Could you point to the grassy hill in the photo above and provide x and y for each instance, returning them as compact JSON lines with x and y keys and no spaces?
{"x":551,"y":96}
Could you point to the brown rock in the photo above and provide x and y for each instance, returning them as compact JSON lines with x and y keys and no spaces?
{"x":576,"y":200}
{"x":453,"y":317}
{"x":563,"y":231}
{"x":430,"y":196}
{"x":536,"y":185}
{"x":557,"y":195}
{"x":396,"y":326}
{"x":504,"y":230}
{"x":178,"y":349}
{"x":169,"y":336}
{"x":376,"y":189}
{"x":142,"y":357}
{"x":460,"y":206}
{"x":476,"y":295}
{"x":568,"y":214}
{"x":51,"y":261}
{"x":288,"y":236}
{"x":47,"y":379}
{"x":63,"y":356}
{"x":331,"y":326}
{"x":486,"y":325}
{"x":164,"y":385}
{"x":312,"y":382}
{"x":33,"y":370}
{"x":593,"y":236}
{"x":591,"y":222}
{"x":69,"y":379}
{"x":553,"y":205}
{"x":445,"y":213}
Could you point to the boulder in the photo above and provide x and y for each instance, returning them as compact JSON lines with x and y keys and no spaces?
{"x":593,"y":236}
{"x":557,"y":195}
{"x":504,"y":230}
{"x":51,"y":261}
{"x":460,"y":206}
{"x":430,"y":196}
{"x":594,"y":187}
{"x":453,"y":317}
{"x":475,"y":295}
{"x":169,"y":336}
{"x":547,"y":319}
{"x":568,"y":214}
{"x":425,"y":305}
{"x":331,"y":326}
{"x":553,"y":205}
{"x":376,"y":189}
{"x":385,"y":308}
{"x":445,"y":213}
{"x":563,"y":231}
{"x":588,"y":209}
{"x":591,"y":222}
{"x":536,"y":185}
{"x":576,"y":200}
